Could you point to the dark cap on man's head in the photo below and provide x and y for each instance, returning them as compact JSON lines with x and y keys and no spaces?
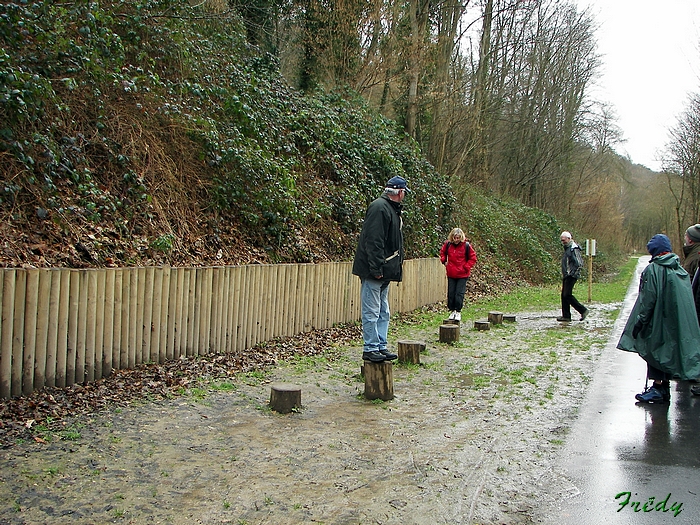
{"x":397,"y":183}
{"x":693,"y":233}
{"x":659,"y":243}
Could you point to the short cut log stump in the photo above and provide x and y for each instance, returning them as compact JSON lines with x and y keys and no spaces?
{"x":482,"y":325}
{"x":449,"y":333}
{"x":495,"y":317}
{"x":285,"y":397}
{"x":409,"y":351}
{"x":508,"y":318}
{"x":450,"y":321}
{"x":379,"y":380}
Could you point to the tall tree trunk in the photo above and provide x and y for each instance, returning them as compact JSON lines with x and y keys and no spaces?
{"x":418,"y":16}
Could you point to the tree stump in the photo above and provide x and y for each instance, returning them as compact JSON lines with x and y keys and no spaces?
{"x":450,"y":321}
{"x":409,"y":351}
{"x":285,"y":397}
{"x":379,"y":380}
{"x":449,"y":333}
{"x":495,"y":317}
{"x":508,"y":318}
{"x":482,"y":325}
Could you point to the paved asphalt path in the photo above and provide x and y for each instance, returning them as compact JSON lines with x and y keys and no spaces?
{"x":623,"y":451}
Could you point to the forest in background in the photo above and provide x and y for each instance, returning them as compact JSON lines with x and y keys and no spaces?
{"x":189,"y":133}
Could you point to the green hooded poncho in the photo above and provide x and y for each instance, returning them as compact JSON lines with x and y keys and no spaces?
{"x":670,"y":336}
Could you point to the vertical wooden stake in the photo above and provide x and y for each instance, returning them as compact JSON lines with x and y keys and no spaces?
{"x":409,"y":351}
{"x":379,"y":380}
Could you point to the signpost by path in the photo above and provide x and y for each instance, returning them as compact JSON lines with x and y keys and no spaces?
{"x":590,"y":253}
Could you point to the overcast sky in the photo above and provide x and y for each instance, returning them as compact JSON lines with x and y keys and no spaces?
{"x":651,"y":63}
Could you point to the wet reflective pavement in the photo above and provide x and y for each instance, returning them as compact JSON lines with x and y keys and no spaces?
{"x":649,"y":454}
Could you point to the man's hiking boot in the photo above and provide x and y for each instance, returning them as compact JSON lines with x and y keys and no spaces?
{"x":654,"y":395}
{"x":584,"y":314}
{"x":374,"y":356}
{"x":564,"y":319}
{"x":388,"y":356}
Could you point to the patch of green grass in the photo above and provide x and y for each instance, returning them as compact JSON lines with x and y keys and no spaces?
{"x":308,"y":363}
{"x":521,"y":299}
{"x":436,"y":365}
{"x":223,"y":386}
{"x":412,"y":367}
{"x":255,"y":377}
{"x":546,"y":297}
{"x":197,"y":393}
{"x":615,"y":289}
{"x":70,"y":434}
{"x":481,"y":381}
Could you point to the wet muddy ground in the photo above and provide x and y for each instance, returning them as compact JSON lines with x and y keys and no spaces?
{"x":470,"y":438}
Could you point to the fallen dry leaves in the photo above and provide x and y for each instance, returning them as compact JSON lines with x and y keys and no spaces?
{"x":50,"y":407}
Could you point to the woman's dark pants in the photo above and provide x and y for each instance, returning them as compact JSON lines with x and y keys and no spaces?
{"x":455,"y":294}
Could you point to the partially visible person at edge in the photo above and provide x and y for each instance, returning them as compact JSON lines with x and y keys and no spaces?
{"x":695,"y":389}
{"x":378,"y":261}
{"x":459,"y":257}
{"x":571,"y":263}
{"x":663,"y":325}
{"x":691,"y":253}
{"x":691,"y":249}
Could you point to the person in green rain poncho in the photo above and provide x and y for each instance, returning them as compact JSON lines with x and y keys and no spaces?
{"x":663,"y":326}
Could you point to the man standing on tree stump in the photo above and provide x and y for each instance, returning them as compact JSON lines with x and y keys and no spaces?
{"x":571,"y":263}
{"x":378,"y":261}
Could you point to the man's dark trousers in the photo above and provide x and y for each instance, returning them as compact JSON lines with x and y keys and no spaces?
{"x":567,"y":298}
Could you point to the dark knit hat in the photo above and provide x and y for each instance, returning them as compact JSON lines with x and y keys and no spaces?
{"x":693,"y":233}
{"x":659,"y":243}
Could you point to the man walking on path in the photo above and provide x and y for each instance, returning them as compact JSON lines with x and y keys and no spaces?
{"x":571,"y":263}
{"x":378,"y":261}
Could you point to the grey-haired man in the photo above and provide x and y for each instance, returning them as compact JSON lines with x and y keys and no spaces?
{"x":571,"y":263}
{"x":378,"y":261}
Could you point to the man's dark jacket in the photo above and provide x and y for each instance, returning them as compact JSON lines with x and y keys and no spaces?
{"x":380,"y":248}
{"x":571,"y":261}
{"x":691,"y":254}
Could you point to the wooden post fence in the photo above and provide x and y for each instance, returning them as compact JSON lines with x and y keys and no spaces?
{"x":64,"y":326}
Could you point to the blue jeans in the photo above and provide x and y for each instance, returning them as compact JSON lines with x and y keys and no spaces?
{"x":374,"y":302}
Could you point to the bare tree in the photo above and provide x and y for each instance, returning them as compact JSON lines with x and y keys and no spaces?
{"x":682,"y":164}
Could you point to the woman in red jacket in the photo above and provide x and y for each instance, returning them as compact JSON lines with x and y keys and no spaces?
{"x":459,"y":257}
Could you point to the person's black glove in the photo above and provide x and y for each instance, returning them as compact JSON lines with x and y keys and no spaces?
{"x":637,"y":328}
